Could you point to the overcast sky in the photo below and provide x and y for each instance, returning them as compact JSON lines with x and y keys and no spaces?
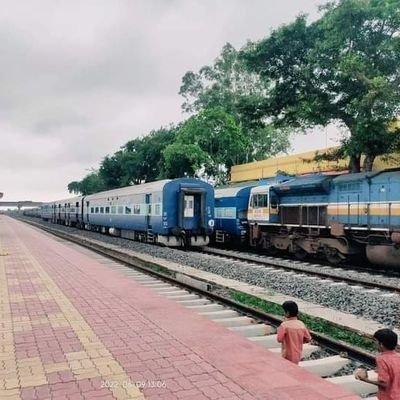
{"x":79,"y":78}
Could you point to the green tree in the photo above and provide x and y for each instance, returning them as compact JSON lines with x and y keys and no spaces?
{"x":74,"y":187}
{"x":112,"y":170}
{"x":139,"y":160}
{"x":183,"y":159}
{"x":229,"y":85}
{"x":91,"y":183}
{"x":213,"y":138}
{"x":343,"y":68}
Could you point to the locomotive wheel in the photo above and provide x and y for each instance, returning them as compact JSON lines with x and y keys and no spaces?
{"x":272,"y":251}
{"x":333,"y":256}
{"x":300,"y":254}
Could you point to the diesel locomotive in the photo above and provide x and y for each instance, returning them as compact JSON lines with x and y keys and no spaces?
{"x":334,"y":217}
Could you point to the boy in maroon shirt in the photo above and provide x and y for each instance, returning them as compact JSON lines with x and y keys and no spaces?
{"x":388,"y":366}
{"x":292,"y":333}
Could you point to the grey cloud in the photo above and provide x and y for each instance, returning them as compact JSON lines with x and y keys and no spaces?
{"x":78,"y":79}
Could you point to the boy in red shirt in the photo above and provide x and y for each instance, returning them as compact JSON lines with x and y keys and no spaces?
{"x":388,"y":366}
{"x":292,"y":333}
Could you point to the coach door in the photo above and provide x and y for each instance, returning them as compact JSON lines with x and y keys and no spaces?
{"x":87,"y":211}
{"x":192,"y":210}
{"x":149,"y":210}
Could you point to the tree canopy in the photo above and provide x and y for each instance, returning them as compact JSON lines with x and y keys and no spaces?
{"x":210,"y":140}
{"x":230,"y":86}
{"x":91,"y":183}
{"x":139,"y":160}
{"x":342,"y":68}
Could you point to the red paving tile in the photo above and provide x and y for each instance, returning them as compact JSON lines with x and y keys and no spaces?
{"x":87,"y":332}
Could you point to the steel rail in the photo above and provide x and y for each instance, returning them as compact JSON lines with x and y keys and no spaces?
{"x":320,"y":274}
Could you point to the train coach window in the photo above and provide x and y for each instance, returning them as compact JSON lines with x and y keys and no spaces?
{"x":107,"y":210}
{"x":157,"y":209}
{"x":92,"y":210}
{"x":128,"y":210}
{"x":136,"y":209}
{"x":101,"y":210}
{"x":113,"y":209}
{"x":120,"y":209}
{"x":97,"y":210}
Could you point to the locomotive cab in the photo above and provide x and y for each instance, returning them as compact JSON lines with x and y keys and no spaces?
{"x":263,"y":205}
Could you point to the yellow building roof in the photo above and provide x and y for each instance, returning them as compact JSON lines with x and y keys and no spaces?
{"x":299,"y":164}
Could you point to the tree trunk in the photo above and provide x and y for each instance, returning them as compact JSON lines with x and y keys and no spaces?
{"x":355,"y":164}
{"x":368,"y":162}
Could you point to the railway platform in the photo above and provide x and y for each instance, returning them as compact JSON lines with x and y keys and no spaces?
{"x":72,"y":328}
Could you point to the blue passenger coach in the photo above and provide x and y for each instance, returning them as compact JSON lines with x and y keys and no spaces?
{"x":178,"y":212}
{"x":231,"y":214}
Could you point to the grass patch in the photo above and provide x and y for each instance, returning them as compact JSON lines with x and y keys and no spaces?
{"x":315,"y":324}
{"x":159,"y":269}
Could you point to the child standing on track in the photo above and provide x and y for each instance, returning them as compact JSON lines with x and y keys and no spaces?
{"x":292,"y":333}
{"x":388,"y":366}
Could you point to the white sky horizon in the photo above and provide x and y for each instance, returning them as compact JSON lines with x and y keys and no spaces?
{"x":80,"y":79}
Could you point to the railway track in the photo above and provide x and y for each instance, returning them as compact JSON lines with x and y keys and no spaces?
{"x":368,"y":280}
{"x":327,"y":358}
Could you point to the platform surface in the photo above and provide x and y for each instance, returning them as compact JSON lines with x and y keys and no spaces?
{"x":72,"y":328}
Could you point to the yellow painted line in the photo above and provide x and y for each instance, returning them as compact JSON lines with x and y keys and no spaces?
{"x":86,"y":364}
{"x":9,"y":383}
{"x":363,"y":210}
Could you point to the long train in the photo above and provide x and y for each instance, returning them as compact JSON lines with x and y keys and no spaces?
{"x":334,"y":217}
{"x":178,"y":212}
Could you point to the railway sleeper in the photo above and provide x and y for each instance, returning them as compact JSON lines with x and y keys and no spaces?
{"x":353,"y":385}
{"x":253,"y":330}
{"x":326,"y":366}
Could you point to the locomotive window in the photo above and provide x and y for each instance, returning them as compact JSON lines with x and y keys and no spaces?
{"x":120,"y":209}
{"x":97,"y":210}
{"x":107,"y":210}
{"x":113,"y":209}
{"x":101,"y":210}
{"x":128,"y":210}
{"x":259,"y":200}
